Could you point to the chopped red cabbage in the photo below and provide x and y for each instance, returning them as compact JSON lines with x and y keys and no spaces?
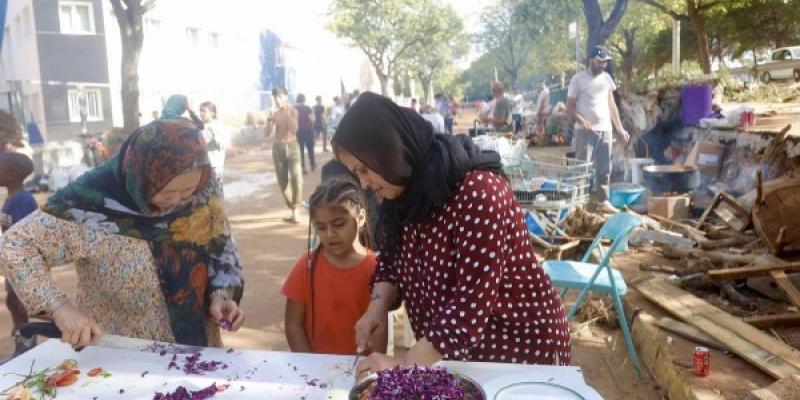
{"x":181,"y":393}
{"x":422,"y":384}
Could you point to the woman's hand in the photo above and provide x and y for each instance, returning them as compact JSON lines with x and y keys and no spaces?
{"x":376,"y":362}
{"x":77,"y":328}
{"x":369,"y":328}
{"x":226,"y":310}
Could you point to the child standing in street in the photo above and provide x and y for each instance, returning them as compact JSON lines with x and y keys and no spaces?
{"x":14,"y":168}
{"x":328,"y":289}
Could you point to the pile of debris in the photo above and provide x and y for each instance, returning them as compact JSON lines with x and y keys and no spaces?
{"x":732,"y":282}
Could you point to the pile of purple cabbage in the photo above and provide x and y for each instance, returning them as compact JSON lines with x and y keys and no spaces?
{"x":194,"y":366}
{"x":181,"y":393}
{"x":417,"y":383}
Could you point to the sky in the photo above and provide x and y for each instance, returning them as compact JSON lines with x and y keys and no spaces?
{"x":322,"y":59}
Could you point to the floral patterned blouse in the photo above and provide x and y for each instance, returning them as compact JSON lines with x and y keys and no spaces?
{"x":118,"y":284}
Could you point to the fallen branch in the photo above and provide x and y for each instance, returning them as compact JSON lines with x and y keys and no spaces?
{"x":725,"y":243}
{"x":734,"y":296}
{"x":714,"y":256}
{"x":659,"y":268}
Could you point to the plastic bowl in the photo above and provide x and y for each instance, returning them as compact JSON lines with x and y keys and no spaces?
{"x":624,"y":195}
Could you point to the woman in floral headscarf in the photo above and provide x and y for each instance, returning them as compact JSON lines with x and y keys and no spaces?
{"x":148,"y":237}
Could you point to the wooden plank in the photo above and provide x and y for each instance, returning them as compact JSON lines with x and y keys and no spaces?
{"x":708,"y":210}
{"x":738,"y":207}
{"x":751,"y":272}
{"x":689,"y":332}
{"x":760,"y":349}
{"x":774,"y":320}
{"x":786,"y":284}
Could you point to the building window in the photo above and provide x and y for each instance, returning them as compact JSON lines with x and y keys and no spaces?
{"x":213,"y":40}
{"x":193,"y":36}
{"x":77,"y":18}
{"x":89,"y":100}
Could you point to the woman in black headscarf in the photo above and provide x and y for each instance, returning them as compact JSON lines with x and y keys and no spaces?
{"x":453,"y":246}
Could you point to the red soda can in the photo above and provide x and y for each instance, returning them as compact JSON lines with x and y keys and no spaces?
{"x":702,"y":364}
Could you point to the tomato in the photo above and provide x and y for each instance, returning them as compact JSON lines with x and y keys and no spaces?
{"x":63,"y":378}
{"x":95,"y":372}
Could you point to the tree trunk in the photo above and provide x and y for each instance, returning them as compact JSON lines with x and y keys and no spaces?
{"x":628,"y":58}
{"x":130,"y":86}
{"x":129,"y":19}
{"x":426,"y":90}
{"x":384,"y":79}
{"x":699,"y":27}
{"x":599,"y":29}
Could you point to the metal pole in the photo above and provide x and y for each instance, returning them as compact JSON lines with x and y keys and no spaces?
{"x":577,"y":49}
{"x":676,"y":46}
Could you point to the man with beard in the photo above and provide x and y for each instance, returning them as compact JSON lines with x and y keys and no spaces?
{"x":590,"y":102}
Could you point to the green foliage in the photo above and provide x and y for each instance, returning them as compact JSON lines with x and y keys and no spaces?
{"x":427,"y":60}
{"x":664,"y":77}
{"x":385,"y":31}
{"x":771,"y":92}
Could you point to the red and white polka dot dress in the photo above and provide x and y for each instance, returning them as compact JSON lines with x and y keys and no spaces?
{"x":471,"y":283}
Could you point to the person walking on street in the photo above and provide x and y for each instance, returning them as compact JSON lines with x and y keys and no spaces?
{"x":444,"y":107}
{"x":216,"y":137}
{"x":305,"y":133}
{"x":590,"y":102}
{"x":542,"y":110}
{"x":336,"y":113}
{"x":286,"y":152}
{"x":519,"y":108}
{"x":319,"y":124}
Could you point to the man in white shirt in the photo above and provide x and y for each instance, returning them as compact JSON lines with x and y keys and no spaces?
{"x":519,"y":108}
{"x":542,"y":109}
{"x":436,"y":119}
{"x":590,"y":102}
{"x":216,"y":136}
{"x":336,"y":114}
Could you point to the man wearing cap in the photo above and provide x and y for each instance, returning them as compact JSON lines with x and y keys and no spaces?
{"x":590,"y":102}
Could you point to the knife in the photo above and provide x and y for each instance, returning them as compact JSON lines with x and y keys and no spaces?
{"x":50,"y":330}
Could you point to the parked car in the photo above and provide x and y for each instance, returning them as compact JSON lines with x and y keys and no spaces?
{"x":783,"y":64}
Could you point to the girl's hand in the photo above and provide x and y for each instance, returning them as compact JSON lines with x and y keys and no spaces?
{"x":77,"y":328}
{"x":226,"y":310}
{"x":376,"y":362}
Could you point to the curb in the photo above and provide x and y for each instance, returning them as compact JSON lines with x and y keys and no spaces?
{"x":656,"y":354}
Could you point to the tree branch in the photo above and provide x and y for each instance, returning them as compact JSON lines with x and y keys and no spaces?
{"x":119,"y":12}
{"x":708,"y":6}
{"x":664,"y":9}
{"x":616,"y":15}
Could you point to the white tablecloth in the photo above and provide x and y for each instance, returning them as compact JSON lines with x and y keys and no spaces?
{"x":251,"y":374}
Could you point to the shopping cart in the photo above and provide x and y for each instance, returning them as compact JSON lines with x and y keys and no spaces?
{"x":548,"y":188}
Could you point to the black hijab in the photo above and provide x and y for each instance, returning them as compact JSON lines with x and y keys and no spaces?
{"x":398,"y":144}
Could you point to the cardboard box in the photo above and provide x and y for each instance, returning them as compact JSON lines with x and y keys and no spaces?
{"x":707,"y":157}
{"x":670,"y":207}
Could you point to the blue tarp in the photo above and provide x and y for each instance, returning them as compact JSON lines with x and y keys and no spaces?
{"x":34,"y":134}
{"x":3,"y":8}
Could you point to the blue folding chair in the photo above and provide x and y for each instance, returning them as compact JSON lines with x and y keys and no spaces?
{"x":587,"y":276}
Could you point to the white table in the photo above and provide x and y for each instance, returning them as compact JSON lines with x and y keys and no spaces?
{"x":251,"y":374}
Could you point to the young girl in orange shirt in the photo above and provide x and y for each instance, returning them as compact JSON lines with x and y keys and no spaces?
{"x":328,"y":290}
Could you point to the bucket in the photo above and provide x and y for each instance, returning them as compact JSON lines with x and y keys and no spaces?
{"x":695,"y":103}
{"x":636,"y":165}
